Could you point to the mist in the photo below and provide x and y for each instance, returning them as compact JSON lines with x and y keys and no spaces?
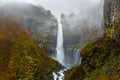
{"x":81,"y":22}
{"x":60,"y":6}
{"x":80,"y":15}
{"x":83,"y":27}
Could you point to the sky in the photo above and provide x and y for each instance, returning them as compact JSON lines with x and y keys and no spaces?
{"x":61,"y":6}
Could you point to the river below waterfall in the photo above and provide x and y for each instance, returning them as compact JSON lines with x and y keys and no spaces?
{"x":71,"y":58}
{"x":60,"y":74}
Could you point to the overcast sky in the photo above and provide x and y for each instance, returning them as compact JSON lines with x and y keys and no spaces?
{"x":61,"y":6}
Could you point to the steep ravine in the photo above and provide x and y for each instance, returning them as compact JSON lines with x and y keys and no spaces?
{"x":97,"y":62}
{"x":101,"y":58}
{"x":41,"y":26}
{"x":41,"y":23}
{"x":20,"y":57}
{"x":65,"y":60}
{"x":23,"y":39}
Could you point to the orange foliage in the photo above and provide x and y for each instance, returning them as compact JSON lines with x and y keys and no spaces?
{"x":26,"y":32}
{"x":13,"y":26}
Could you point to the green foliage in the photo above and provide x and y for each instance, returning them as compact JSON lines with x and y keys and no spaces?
{"x":96,"y":57}
{"x":20,"y":57}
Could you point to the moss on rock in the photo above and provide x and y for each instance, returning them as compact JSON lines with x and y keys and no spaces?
{"x":96,"y":57}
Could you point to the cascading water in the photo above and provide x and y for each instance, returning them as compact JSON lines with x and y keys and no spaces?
{"x":60,"y":53}
{"x":72,"y":57}
{"x":69,"y":60}
{"x":60,"y":50}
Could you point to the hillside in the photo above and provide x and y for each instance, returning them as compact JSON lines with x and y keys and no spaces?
{"x":101,"y":58}
{"x":20,"y":56}
{"x":40,"y":22}
{"x":101,"y":61}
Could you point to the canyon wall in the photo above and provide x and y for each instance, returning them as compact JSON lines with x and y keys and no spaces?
{"x":40,"y":23}
{"x":101,"y":58}
{"x":112,"y":19}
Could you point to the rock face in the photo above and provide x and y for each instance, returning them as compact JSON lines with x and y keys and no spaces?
{"x":20,"y":57}
{"x":112,"y":19}
{"x":41,"y":24}
{"x":101,"y":58}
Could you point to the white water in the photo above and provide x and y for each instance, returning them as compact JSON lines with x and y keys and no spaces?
{"x":59,"y":75}
{"x":55,"y":76}
{"x":60,"y":53}
{"x":60,"y":50}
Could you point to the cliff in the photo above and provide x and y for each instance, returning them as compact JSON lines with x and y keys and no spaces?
{"x":101,"y":58}
{"x":112,"y":19}
{"x":20,"y":57}
{"x":41,"y":24}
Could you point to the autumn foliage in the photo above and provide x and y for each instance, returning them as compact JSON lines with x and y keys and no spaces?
{"x":20,"y":57}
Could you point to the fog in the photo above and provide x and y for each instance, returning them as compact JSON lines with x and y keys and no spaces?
{"x":87,"y":14}
{"x":83,"y":27}
{"x":61,"y":6}
{"x":81,"y":21}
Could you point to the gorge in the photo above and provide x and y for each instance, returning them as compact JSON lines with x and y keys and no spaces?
{"x":82,"y":44}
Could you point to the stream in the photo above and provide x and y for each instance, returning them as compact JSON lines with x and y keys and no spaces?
{"x":60,"y":74}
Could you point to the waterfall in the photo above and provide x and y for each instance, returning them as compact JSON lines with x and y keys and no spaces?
{"x":72,"y":57}
{"x":59,"y":75}
{"x":69,"y":61}
{"x":60,"y":50}
{"x":60,"y":53}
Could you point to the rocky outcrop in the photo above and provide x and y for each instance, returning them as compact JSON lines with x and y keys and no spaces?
{"x":112,"y":19}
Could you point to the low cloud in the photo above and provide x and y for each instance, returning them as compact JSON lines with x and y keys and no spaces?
{"x":61,"y":6}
